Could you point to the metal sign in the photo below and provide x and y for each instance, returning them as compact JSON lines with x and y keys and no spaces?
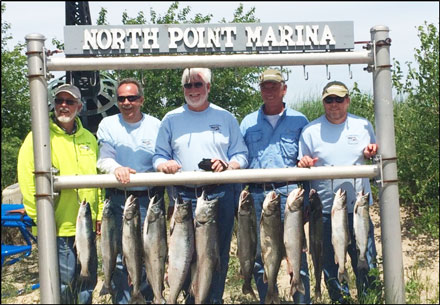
{"x":209,"y":38}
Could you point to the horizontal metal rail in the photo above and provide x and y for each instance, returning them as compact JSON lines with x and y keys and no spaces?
{"x":229,"y":176}
{"x":209,"y":61}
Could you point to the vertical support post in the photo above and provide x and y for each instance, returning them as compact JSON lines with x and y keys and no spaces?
{"x":389,"y":192}
{"x":47,"y":243}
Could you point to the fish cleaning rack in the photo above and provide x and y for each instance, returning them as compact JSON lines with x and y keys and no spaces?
{"x":377,"y":58}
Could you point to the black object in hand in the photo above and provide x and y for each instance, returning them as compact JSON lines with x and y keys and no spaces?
{"x":206,"y":164}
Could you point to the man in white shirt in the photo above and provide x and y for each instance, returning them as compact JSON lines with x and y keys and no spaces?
{"x":126,"y":142}
{"x":202,"y":130}
{"x":339,"y":138}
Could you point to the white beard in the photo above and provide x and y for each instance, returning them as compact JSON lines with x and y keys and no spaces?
{"x":65,"y":119}
{"x":195,"y":103}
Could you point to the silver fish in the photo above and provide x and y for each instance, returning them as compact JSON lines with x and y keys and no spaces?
{"x":361,"y":225}
{"x":340,"y":236}
{"x":155,"y":247}
{"x":85,"y":241}
{"x":110,"y":246}
{"x":315,"y":239}
{"x":132,"y":246}
{"x":293,"y":237}
{"x":181,"y":248}
{"x":207,"y":248}
{"x":271,"y":239}
{"x":246,"y":239}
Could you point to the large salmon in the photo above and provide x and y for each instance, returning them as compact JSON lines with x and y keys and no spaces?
{"x":315,"y":239}
{"x":361,"y":226}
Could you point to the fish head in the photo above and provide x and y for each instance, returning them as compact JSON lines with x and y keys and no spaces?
{"x":315,"y":201}
{"x":340,"y":200}
{"x":131,"y":208}
{"x":246,"y":201}
{"x":106,"y":211}
{"x":206,"y":210}
{"x":362,"y":199}
{"x":182,"y":209}
{"x":295,"y":200}
{"x":271,"y":203}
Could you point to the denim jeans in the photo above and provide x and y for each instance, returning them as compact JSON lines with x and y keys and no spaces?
{"x":120,"y":275}
{"x":72,"y":291}
{"x":225,"y":217}
{"x":337,"y":291}
{"x":259,"y":194}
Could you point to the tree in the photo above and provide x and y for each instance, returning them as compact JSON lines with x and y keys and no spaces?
{"x":417,"y":131}
{"x":15,"y":104}
{"x":232,"y":89}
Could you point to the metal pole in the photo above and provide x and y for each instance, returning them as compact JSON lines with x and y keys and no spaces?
{"x":212,"y":61}
{"x":47,"y":243}
{"x":234,"y":176}
{"x":388,"y":192}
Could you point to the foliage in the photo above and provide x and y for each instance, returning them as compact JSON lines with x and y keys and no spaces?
{"x":15,"y":110}
{"x":417,"y":131}
{"x":232,"y":88}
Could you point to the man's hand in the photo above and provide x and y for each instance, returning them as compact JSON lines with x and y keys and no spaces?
{"x":370,"y":151}
{"x":307,"y":161}
{"x":169,"y":167}
{"x":123,"y":174}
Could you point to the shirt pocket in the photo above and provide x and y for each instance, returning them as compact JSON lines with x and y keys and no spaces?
{"x":253,"y":141}
{"x":289,"y":146}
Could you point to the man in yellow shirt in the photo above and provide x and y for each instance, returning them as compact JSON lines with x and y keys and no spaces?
{"x":74,"y":151}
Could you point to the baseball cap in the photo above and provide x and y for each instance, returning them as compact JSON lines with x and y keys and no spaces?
{"x":71,"y":89}
{"x":334,"y":88}
{"x":271,"y":75}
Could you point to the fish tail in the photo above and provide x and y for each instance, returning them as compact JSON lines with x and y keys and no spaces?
{"x":343,"y":276}
{"x":362,"y":264}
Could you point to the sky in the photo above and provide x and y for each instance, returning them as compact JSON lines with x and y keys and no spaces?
{"x":402,"y":18}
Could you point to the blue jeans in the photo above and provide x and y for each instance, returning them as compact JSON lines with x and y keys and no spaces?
{"x":72,"y":291}
{"x":225,"y":216}
{"x":120,"y":275}
{"x":337,"y":291}
{"x":259,"y":194}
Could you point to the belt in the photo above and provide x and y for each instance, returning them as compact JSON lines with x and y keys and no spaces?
{"x":130,"y":192}
{"x":208,"y":188}
{"x":271,"y":184}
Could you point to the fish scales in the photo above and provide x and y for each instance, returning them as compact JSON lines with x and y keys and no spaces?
{"x":271,"y":239}
{"x":361,"y":226}
{"x":155,"y":247}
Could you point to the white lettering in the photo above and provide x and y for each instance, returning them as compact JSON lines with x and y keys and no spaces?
{"x":118,"y":37}
{"x":104,"y":44}
{"x":286,"y":33}
{"x":299,"y":33}
{"x":213,"y":37}
{"x":253,"y":37}
{"x":151,"y":35}
{"x":132,"y":34}
{"x":175,"y":35}
{"x":229,"y":31}
{"x":311,"y":35}
{"x":186,"y":36}
{"x":201,"y":33}
{"x":327,"y":37}
{"x":270,"y":38}
{"x":90,"y":39}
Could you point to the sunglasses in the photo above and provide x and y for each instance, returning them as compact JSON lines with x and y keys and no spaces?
{"x":196,"y":85}
{"x":130,"y":98}
{"x":331,"y":99}
{"x":60,"y":101}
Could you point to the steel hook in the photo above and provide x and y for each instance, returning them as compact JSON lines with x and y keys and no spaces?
{"x":350,"y":73}
{"x":328,"y":73}
{"x":306,"y":74}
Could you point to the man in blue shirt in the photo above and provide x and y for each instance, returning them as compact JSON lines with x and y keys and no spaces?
{"x":197,"y":130}
{"x":271,"y":135}
{"x":339,"y":138}
{"x":126,"y":146}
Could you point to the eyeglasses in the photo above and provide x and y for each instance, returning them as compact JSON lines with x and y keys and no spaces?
{"x":331,"y":99}
{"x":196,"y":85}
{"x":130,"y":98}
{"x":60,"y":101}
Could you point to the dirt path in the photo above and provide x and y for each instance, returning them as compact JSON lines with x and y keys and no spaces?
{"x":420,"y":259}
